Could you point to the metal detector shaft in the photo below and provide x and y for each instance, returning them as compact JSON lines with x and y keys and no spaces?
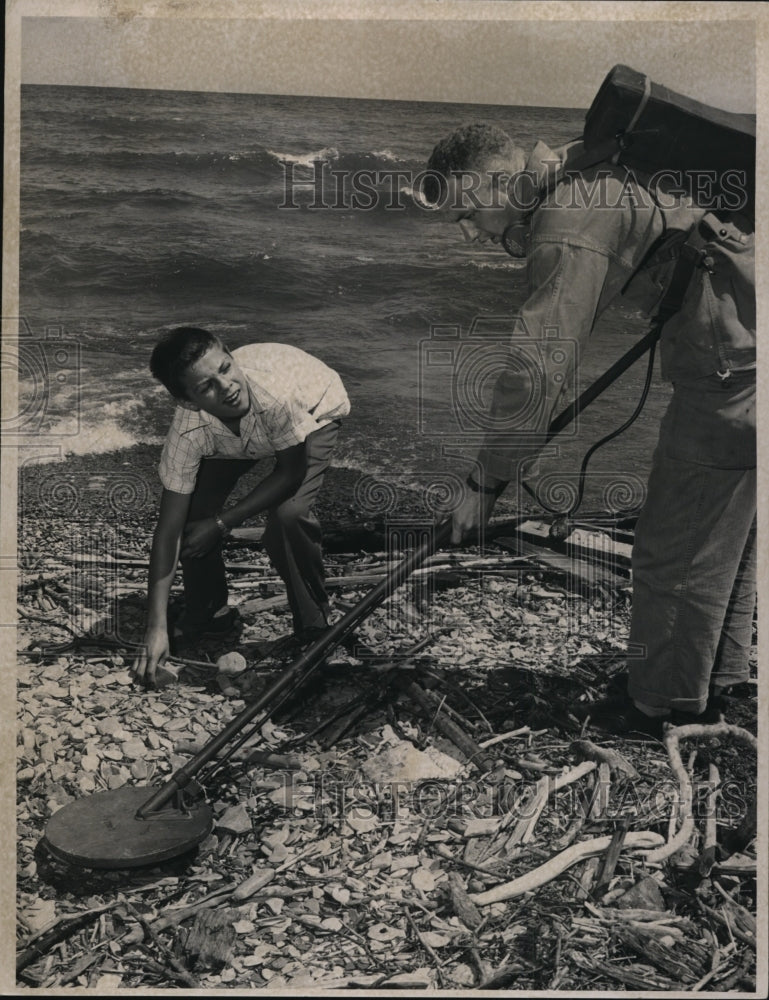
{"x":303,"y":665}
{"x":299,"y":669}
{"x":565,"y":417}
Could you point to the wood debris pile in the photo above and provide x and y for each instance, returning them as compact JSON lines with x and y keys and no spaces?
{"x":424,"y":813}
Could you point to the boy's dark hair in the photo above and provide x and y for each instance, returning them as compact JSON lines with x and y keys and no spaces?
{"x":176,"y":351}
{"x":467,"y":148}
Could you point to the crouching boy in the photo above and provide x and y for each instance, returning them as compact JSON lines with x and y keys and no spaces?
{"x":234,"y":408}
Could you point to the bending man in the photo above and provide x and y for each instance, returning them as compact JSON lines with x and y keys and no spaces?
{"x":600,"y":233}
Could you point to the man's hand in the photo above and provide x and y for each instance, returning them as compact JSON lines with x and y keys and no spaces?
{"x":153,"y":655}
{"x":200,"y":537}
{"x":471,"y":515}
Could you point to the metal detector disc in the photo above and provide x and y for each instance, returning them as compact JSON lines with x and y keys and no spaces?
{"x":102,"y":831}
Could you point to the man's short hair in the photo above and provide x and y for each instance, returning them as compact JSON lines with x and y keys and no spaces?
{"x":176,"y":351}
{"x":467,"y":148}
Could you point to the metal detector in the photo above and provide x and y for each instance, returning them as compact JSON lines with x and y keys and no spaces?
{"x":134,"y":826}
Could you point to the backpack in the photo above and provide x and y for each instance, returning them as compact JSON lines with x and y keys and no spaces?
{"x":709,"y":154}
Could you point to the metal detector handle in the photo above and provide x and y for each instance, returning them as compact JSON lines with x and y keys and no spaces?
{"x":299,"y":667}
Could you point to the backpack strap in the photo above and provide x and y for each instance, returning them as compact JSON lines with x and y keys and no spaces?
{"x":690,"y":255}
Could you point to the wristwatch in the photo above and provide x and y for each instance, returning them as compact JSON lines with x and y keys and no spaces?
{"x":222,"y":526}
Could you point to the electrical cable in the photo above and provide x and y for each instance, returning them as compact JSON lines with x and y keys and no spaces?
{"x":599,"y":444}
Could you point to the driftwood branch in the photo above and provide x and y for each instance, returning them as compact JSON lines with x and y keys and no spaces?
{"x":178,"y":969}
{"x":609,"y":861}
{"x":493,"y":740}
{"x":535,"y":805}
{"x":710,"y":844}
{"x":672,"y":740}
{"x":428,"y":948}
{"x":603,"y":755}
{"x":464,"y":907}
{"x":643,"y":840}
{"x":61,"y":931}
{"x":430,"y":704}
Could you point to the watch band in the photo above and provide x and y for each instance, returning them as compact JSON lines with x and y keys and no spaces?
{"x":488,"y":490}
{"x":222,"y":526}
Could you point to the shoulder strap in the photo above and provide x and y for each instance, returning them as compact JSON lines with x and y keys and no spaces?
{"x":690,"y":255}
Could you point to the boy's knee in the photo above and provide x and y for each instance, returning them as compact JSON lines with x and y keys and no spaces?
{"x":290,"y":512}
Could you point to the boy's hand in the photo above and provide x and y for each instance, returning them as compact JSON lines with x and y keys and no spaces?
{"x":471,"y":516}
{"x":200,"y":537}
{"x":153,"y":655}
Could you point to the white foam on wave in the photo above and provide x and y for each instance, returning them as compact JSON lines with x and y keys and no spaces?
{"x":306,"y":159}
{"x":92,"y":426}
{"x":497,"y":265}
{"x":385,"y":154}
{"x":57,"y":445}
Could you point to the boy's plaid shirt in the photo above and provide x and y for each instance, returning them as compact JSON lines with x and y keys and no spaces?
{"x":292,"y":394}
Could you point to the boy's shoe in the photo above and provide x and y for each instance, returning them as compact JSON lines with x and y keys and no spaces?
{"x":290,"y":646}
{"x":221,"y":623}
{"x":295,"y":644}
{"x":720,"y":701}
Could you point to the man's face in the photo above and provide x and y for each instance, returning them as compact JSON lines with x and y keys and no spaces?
{"x":477,"y":201}
{"x":214,"y":383}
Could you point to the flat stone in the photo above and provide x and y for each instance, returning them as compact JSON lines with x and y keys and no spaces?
{"x":405,"y":763}
{"x":139,"y":769}
{"x":133,"y":749}
{"x":90,"y":762}
{"x":109,"y":727}
{"x":231,"y":664}
{"x":235,"y":820}
{"x":644,"y":895}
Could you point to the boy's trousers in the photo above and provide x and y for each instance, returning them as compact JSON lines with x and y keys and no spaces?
{"x":292,"y":537}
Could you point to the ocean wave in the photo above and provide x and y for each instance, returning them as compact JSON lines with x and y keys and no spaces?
{"x":94,"y":438}
{"x":382,"y":160}
{"x":45,"y":198}
{"x":497,"y":265}
{"x":386,"y":154}
{"x":308,"y":160}
{"x":259,"y":157}
{"x":172,"y":161}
